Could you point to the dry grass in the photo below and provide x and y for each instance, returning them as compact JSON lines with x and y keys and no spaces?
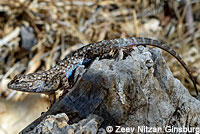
{"x":63,"y":26}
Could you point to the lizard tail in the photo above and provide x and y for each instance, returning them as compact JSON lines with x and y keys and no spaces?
{"x":128,"y":42}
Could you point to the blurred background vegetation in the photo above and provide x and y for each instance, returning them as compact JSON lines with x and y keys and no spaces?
{"x":35,"y":34}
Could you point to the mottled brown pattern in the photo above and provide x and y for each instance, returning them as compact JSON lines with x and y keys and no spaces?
{"x":49,"y":81}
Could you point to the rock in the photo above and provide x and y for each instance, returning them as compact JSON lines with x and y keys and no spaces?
{"x":136,"y":90}
{"x":58,"y":124}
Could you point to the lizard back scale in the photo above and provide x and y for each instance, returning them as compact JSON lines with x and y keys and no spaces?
{"x":49,"y":81}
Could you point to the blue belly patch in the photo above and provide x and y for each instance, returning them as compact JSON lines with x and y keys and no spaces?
{"x":71,"y":70}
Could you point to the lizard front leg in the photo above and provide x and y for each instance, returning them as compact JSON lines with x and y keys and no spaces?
{"x":52,"y":98}
{"x":52,"y":85}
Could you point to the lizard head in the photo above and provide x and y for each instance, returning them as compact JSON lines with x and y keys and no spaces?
{"x":35,"y":82}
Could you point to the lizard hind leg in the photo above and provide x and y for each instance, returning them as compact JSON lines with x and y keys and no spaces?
{"x":120,"y":55}
{"x":123,"y":53}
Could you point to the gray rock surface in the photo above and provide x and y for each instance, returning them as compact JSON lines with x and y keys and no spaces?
{"x":141,"y":91}
{"x":58,"y":124}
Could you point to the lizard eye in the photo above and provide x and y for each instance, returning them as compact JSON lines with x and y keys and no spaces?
{"x":17,"y":80}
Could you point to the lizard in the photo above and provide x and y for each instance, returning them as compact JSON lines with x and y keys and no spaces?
{"x":58,"y":76}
